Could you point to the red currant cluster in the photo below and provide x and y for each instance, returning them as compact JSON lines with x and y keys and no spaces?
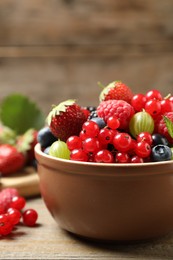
{"x":130,"y":134}
{"x":11,"y":211}
{"x":153,"y":103}
{"x":108,"y":145}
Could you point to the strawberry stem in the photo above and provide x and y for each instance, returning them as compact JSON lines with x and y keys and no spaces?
{"x":168,"y":96}
{"x":100,"y":84}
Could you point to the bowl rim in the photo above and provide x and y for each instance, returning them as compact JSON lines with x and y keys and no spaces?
{"x":112,"y":165}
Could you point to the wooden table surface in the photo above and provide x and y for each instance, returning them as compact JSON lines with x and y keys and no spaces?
{"x":48,"y":241}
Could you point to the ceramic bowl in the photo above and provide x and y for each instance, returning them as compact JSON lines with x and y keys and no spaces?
{"x":110,"y":202}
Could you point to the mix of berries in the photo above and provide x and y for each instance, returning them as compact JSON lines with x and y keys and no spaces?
{"x":123,"y":128}
{"x":13,"y":212}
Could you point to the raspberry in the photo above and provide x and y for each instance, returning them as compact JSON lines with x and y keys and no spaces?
{"x":118,"y":108}
{"x":160,"y":126}
{"x":6,"y":196}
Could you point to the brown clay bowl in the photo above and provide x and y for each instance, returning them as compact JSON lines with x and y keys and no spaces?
{"x":122,"y":202}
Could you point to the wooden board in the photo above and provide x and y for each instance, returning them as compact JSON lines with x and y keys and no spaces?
{"x":26,"y":181}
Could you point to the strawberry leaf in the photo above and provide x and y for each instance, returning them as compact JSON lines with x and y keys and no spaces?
{"x":61,"y":107}
{"x":169,"y":125}
{"x":20,"y":114}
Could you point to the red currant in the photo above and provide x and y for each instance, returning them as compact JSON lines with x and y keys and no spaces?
{"x":138,"y":102}
{"x":2,"y":210}
{"x":91,"y":145}
{"x":153,"y":94}
{"x":90,"y":128}
{"x":171,"y":99}
{"x":113,"y":122}
{"x":122,"y":142}
{"x":143,"y":149}
{"x":105,"y":136}
{"x":30,"y":217}
{"x":78,"y":155}
{"x":104,"y":156}
{"x":136,"y":159}
{"x":18,"y":202}
{"x":145,"y":136}
{"x":82,"y":135}
{"x":131,"y":151}
{"x":166,"y":106}
{"x":122,"y":157}
{"x":153,"y":107}
{"x":6,"y":226}
{"x":14,"y":215}
{"x":74,"y":142}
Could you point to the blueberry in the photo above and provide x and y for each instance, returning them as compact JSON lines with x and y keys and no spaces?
{"x":161,"y":152}
{"x":93,"y":114}
{"x":45,"y":137}
{"x":159,"y":139}
{"x":101,"y":123}
{"x":91,"y":108}
{"x":46,"y":151}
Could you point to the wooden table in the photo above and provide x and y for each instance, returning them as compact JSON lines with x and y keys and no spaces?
{"x":48,"y":241}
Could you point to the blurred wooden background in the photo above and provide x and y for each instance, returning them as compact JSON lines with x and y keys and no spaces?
{"x":59,"y":49}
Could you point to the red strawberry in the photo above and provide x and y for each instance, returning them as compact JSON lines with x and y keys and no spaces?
{"x":11,"y":160}
{"x":7,"y":135}
{"x":6,"y":196}
{"x":31,"y":154}
{"x":66,"y":120}
{"x":116,"y":90}
{"x":161,"y":128}
{"x":26,"y":144}
{"x":119,"y":108}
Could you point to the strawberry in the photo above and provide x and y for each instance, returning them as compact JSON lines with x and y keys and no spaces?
{"x":161,"y":127}
{"x":26,"y":144}
{"x":7,"y":135}
{"x":11,"y":160}
{"x":31,"y":154}
{"x":66,"y":120}
{"x":116,"y":90}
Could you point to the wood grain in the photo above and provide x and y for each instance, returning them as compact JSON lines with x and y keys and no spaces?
{"x":59,"y":49}
{"x":73,"y":21}
{"x":48,"y":241}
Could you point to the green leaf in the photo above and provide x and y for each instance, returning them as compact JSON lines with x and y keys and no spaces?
{"x":19,"y":113}
{"x":169,"y":125}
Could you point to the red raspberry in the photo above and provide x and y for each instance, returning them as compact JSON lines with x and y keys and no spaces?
{"x":6,"y":196}
{"x":119,"y":108}
{"x":161,"y":128}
